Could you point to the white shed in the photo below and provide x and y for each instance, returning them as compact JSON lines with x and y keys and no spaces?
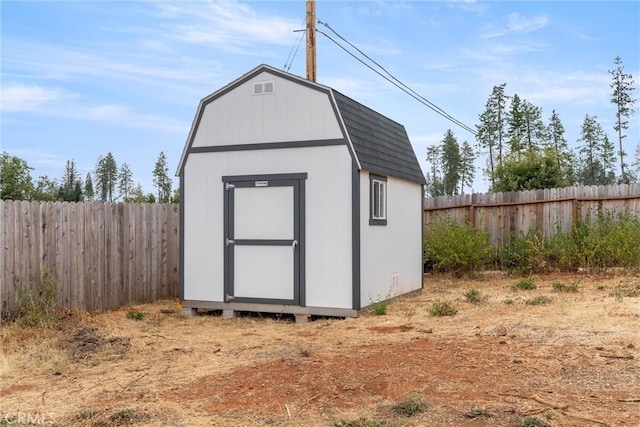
{"x":296,"y":199}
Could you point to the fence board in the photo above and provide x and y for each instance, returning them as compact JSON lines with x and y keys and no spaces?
{"x":549,"y":211}
{"x":104,"y":255}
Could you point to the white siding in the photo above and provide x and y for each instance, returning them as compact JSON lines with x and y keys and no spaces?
{"x":293,"y":113}
{"x":328,"y":218}
{"x":392,"y":250}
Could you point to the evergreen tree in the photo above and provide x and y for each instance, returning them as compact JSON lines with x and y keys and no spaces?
{"x":622,"y":86}
{"x":467,"y":167}
{"x":125,"y":182}
{"x":534,"y":129}
{"x":15,"y":178}
{"x":89,"y":193}
{"x":557,"y":142}
{"x":451,"y":163}
{"x":70,"y":189}
{"x":106,"y":175}
{"x":490,"y":130}
{"x":516,"y":126}
{"x":591,"y":170}
{"x":434,"y":185}
{"x":161,"y":179}
{"x":608,"y":157}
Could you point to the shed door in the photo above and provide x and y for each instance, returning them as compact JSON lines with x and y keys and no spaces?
{"x":264,"y":242}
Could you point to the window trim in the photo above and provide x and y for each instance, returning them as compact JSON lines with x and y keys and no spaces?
{"x":379,"y":182}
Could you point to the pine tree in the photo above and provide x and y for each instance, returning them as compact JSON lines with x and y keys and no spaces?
{"x":161,"y":179}
{"x":106,"y":175}
{"x":125,"y":182}
{"x":433,"y":178}
{"x":467,"y":167}
{"x":70,"y":189}
{"x":622,"y":85}
{"x":490,"y":130}
{"x":534,"y":129}
{"x":451,"y":163}
{"x":591,"y":170}
{"x":608,"y":156}
{"x":89,"y":193}
{"x":516,"y":126}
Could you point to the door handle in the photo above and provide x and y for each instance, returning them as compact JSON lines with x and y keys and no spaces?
{"x":294,"y":244}
{"x":230,"y":242}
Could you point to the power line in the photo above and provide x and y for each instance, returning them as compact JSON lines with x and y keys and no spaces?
{"x":296,"y":47}
{"x":393,"y":80}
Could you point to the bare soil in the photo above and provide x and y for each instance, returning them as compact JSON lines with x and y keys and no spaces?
{"x":571,"y":361}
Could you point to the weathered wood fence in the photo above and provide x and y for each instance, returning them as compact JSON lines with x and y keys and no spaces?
{"x":550,"y":211}
{"x":103,"y":255}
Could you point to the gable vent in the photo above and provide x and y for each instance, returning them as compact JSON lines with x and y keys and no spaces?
{"x":264,"y":88}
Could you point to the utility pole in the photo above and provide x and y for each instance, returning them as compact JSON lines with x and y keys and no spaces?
{"x":311,"y":40}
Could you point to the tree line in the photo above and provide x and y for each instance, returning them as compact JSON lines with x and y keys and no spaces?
{"x":108,"y":182}
{"x":525,"y":153}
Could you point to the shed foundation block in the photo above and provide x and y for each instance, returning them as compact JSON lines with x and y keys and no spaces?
{"x":189,"y":312}
{"x":228,"y":314}
{"x":302,"y":318}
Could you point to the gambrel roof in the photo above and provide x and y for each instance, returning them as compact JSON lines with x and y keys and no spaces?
{"x":379,"y":144}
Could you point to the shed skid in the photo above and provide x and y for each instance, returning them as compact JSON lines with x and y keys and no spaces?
{"x":270,"y":308}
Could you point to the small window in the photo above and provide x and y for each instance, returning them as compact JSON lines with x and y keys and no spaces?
{"x":264,"y":88}
{"x":378,"y":198}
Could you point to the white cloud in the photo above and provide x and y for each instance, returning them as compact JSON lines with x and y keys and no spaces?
{"x":517,"y":23}
{"x":228,"y":25}
{"x":18,"y":97}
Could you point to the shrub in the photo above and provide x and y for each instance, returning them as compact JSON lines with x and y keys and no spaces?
{"x":526,"y":284}
{"x":563,"y":287}
{"x":524,"y":254}
{"x":409,"y":407}
{"x":538,"y":300}
{"x":442,"y":308}
{"x":456,"y":248}
{"x":473,"y":296}
{"x":135,"y":315}
{"x":38,"y":308}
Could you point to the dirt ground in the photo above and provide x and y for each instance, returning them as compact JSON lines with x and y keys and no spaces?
{"x":572,"y":360}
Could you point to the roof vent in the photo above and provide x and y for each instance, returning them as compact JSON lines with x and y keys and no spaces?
{"x":264,"y":88}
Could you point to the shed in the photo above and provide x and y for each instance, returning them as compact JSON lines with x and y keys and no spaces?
{"x":296,"y":199}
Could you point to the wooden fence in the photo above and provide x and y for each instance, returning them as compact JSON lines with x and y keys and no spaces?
{"x":104,"y":255}
{"x":550,"y":210}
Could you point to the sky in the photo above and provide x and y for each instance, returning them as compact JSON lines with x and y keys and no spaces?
{"x":80,"y":79}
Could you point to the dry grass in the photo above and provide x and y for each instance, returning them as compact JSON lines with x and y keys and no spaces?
{"x":580,"y":349}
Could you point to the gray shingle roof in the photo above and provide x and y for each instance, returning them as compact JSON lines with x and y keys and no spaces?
{"x":381,"y":145}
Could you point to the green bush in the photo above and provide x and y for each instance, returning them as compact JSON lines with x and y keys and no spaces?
{"x":526,"y":284}
{"x":442,"y":308}
{"x":472,"y":295}
{"x":456,"y":248}
{"x":409,"y":407}
{"x":563,"y":287}
{"x":609,"y":242}
{"x":524,"y":254}
{"x":38,"y":308}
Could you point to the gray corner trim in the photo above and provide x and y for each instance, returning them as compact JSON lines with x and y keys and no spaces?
{"x":355,"y":235}
{"x":267,"y":146}
{"x":376,"y":221}
{"x":422,"y":188}
{"x":181,"y":239}
{"x":343,"y":128}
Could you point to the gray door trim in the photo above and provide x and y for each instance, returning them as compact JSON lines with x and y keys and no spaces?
{"x":297,"y":181}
